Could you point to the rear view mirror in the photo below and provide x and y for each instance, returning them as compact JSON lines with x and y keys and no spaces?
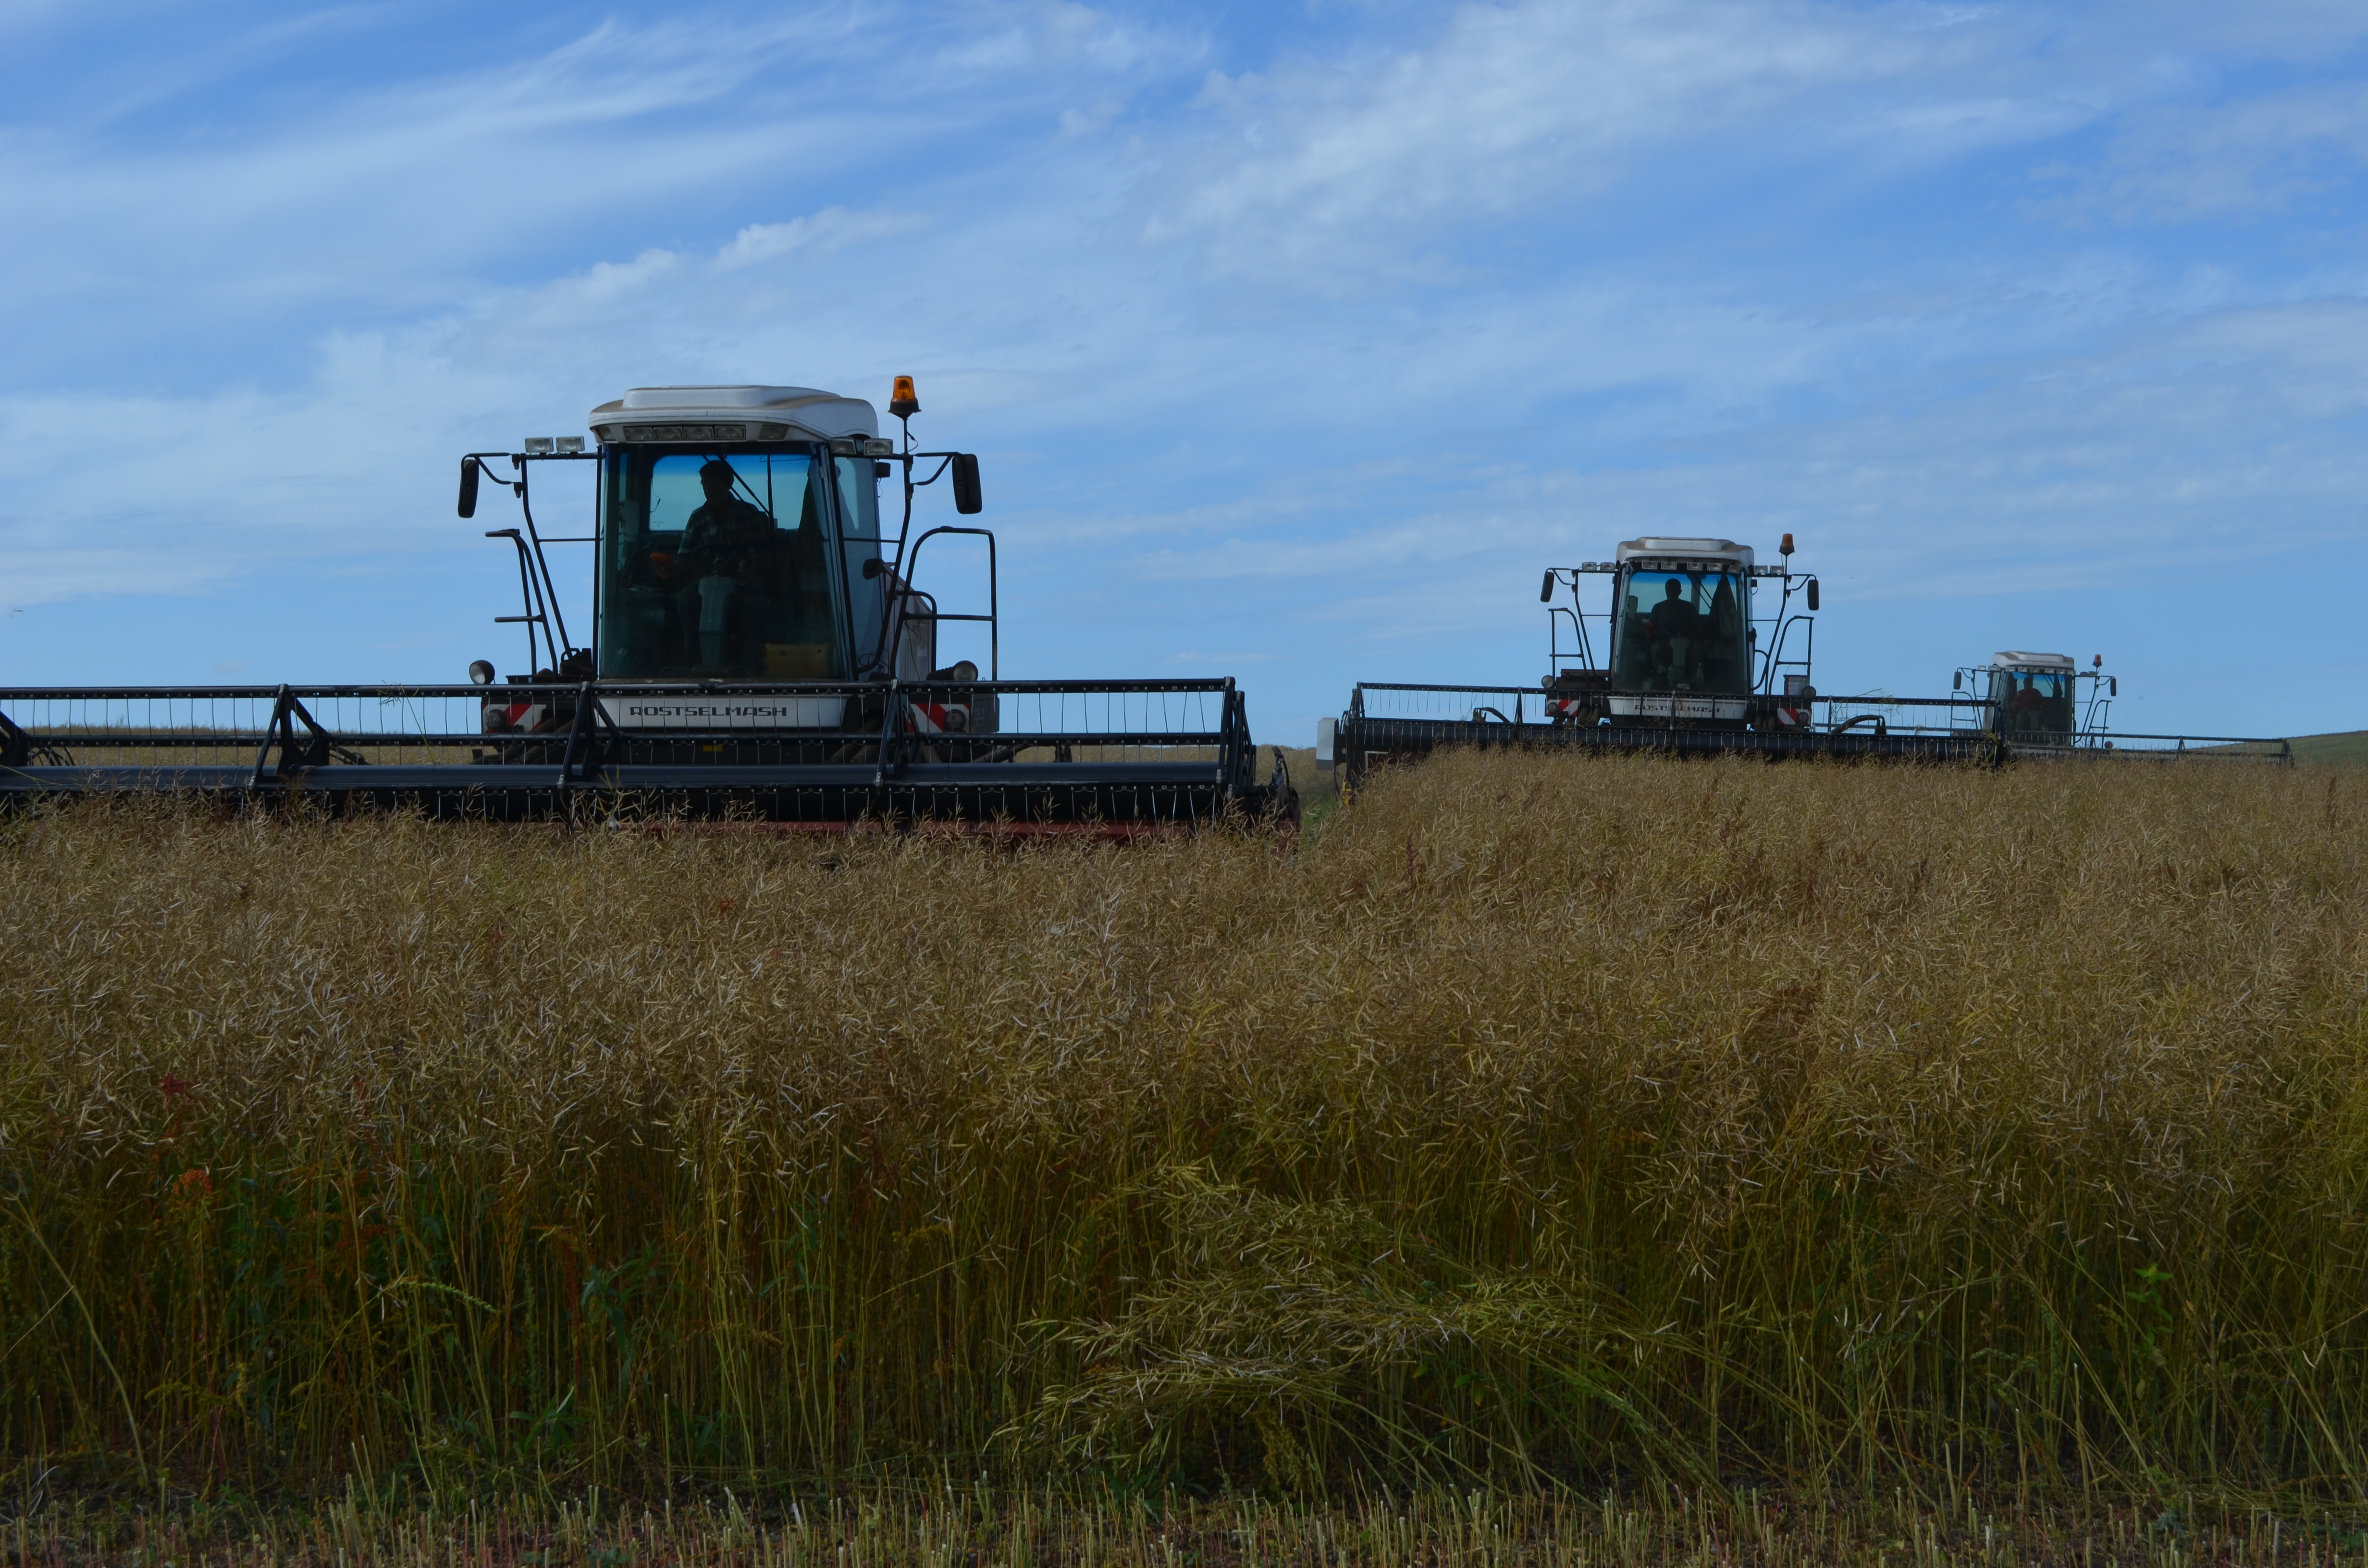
{"x":1813,"y":592}
{"x":1546,"y":593}
{"x":2113,"y":685}
{"x":1957,"y":681}
{"x":965,"y":472}
{"x":468,"y":487}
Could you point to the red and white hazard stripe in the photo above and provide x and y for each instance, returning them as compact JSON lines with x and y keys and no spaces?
{"x":502,"y":718}
{"x":940,"y":718}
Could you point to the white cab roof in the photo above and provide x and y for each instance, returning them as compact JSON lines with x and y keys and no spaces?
{"x":2015,"y":659}
{"x":1725,"y":552}
{"x":732,"y":414}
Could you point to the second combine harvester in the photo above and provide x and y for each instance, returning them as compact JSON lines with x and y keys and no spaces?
{"x":1707,"y":652}
{"x":760,"y":646}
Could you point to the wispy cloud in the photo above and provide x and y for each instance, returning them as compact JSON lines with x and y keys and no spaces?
{"x":832,"y":229}
{"x":1509,"y":108}
{"x":2240,"y":160}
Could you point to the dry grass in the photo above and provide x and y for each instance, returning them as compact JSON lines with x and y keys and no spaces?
{"x":1537,"y":1122}
{"x":944,"y":1527}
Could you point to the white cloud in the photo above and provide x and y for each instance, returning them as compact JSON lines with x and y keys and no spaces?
{"x":415,"y":193}
{"x":1508,"y":108}
{"x":1056,"y":32}
{"x":608,"y":279}
{"x":832,"y":228}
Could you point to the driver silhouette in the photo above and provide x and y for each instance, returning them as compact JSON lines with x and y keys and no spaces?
{"x":726,"y":537}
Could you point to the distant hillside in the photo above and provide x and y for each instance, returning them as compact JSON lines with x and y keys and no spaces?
{"x":2350,"y":748}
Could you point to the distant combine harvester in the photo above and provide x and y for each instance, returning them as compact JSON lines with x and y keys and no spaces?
{"x":1705,"y":655}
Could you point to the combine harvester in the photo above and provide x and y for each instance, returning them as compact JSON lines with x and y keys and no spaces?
{"x":759,"y":648}
{"x":2029,"y":705}
{"x":1699,"y":662}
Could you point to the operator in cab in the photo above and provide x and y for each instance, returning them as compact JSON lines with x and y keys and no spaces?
{"x":719,"y":572}
{"x":1674,"y":617}
{"x":726,"y":537}
{"x":1676,"y":623}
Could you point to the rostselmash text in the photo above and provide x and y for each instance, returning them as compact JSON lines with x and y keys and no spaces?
{"x":717,"y":710}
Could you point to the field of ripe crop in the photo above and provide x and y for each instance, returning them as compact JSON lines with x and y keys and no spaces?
{"x":1549,"y":1126}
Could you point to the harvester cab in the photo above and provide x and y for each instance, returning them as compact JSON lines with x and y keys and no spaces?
{"x":1686,"y":643}
{"x":737,"y":537}
{"x":2033,"y":699}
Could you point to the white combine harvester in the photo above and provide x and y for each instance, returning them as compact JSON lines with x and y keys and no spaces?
{"x":760,"y":647}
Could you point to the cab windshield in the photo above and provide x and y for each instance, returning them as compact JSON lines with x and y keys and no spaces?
{"x":2032,"y":702}
{"x":1683,"y":632}
{"x":717,"y":564}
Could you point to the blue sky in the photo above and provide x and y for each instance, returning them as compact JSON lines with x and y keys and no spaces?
{"x":1296,"y":339}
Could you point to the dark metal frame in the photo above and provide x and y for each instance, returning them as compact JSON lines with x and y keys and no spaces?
{"x":537,"y":588}
{"x":878,"y":764}
{"x":993,"y":629}
{"x":1362,"y":741}
{"x":901,"y":566}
